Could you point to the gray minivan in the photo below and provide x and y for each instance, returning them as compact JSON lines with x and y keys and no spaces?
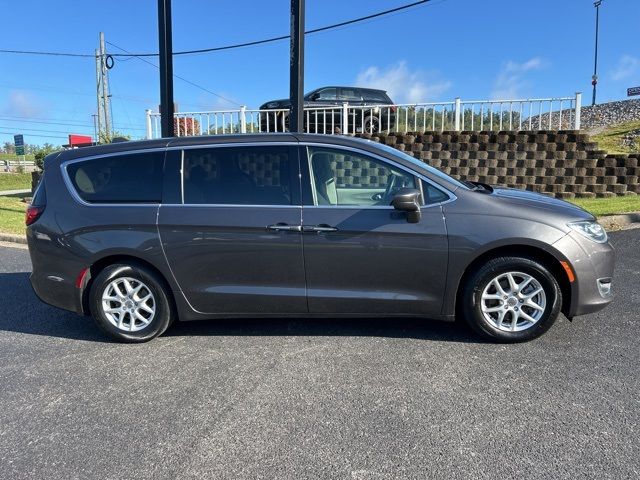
{"x":139,"y":234}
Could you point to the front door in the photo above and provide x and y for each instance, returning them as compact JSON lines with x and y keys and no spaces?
{"x":361,"y":255}
{"x":233,"y":239}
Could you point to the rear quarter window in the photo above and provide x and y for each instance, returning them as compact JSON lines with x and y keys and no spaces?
{"x":40,"y":195}
{"x":126,"y":178}
{"x":376,"y":97}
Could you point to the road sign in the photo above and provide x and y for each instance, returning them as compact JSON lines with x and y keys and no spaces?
{"x":18,"y":141}
{"x":633,"y":91}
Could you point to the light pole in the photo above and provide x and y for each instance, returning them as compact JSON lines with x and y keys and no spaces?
{"x":594,"y":79}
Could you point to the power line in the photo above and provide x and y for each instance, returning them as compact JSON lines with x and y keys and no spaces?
{"x":55,"y":54}
{"x":40,"y":129}
{"x":146,"y":101}
{"x":176,"y":76}
{"x":66,"y":92}
{"x":52,"y":121}
{"x":228,"y":47}
{"x":34,"y":135}
{"x":307,"y":32}
{"x":63,"y":123}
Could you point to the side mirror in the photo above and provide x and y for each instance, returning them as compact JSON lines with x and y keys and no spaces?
{"x":408,"y":200}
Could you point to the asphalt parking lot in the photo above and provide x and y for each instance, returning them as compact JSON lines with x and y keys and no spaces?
{"x":354,"y":399}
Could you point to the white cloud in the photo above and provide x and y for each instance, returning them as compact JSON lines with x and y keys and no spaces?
{"x":627,"y":67}
{"x":511,"y":79}
{"x":402,"y":84}
{"x":24,"y":104}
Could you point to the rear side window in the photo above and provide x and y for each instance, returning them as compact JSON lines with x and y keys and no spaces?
{"x":350,"y":94}
{"x":375,"y":96}
{"x":126,"y":178}
{"x":326,"y":94}
{"x":237,"y":176}
{"x":40,"y":195}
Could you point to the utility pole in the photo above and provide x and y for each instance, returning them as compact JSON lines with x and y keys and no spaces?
{"x":165,"y":41}
{"x":594,"y":78}
{"x":106,"y":97}
{"x":95,"y":128}
{"x":99,"y":94}
{"x":296,"y":67}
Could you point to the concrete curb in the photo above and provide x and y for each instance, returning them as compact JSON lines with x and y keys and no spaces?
{"x":15,"y":192}
{"x":6,"y":237}
{"x":611,"y":223}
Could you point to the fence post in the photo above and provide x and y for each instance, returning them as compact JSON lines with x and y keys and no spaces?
{"x":149,"y":129}
{"x":578,"y":108}
{"x":243,"y":119}
{"x":457,"y":115}
{"x":345,"y":118}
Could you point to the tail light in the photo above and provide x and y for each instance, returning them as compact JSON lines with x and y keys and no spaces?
{"x":393,"y":108}
{"x":32,"y":214}
{"x":81,"y":277}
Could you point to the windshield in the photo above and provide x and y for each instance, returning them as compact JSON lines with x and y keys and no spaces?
{"x":418,"y":163}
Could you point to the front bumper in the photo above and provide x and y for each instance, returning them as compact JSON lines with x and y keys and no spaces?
{"x":593,"y":265}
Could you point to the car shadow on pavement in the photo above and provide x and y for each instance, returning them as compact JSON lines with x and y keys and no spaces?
{"x":415,"y":328}
{"x":22,"y":312}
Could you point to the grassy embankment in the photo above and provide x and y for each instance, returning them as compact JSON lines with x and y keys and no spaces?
{"x":611,"y":138}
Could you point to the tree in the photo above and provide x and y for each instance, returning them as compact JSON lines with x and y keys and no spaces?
{"x":43,"y":151}
{"x":185,"y":126}
{"x":104,"y":138}
{"x":9,"y":147}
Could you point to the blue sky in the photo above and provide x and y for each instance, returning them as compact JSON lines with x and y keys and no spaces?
{"x":447,"y":48}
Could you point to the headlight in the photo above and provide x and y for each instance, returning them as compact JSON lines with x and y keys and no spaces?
{"x":592,"y":230}
{"x":272,"y":105}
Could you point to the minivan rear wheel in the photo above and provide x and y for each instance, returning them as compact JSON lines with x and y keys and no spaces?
{"x":130,"y":303}
{"x":511,"y":299}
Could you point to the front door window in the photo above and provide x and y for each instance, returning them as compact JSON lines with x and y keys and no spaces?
{"x":342,"y":177}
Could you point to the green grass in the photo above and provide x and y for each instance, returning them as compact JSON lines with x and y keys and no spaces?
{"x":12,"y":215}
{"x":12,"y":157}
{"x":15,"y":181}
{"x":609,"y":206}
{"x":610,"y":139}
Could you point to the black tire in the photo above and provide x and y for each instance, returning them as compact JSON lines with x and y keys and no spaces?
{"x":471,"y":306}
{"x":164,"y":309}
{"x":371,"y":125}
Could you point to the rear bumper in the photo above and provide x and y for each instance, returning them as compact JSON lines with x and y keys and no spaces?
{"x":54,"y":273}
{"x":57,"y":291}
{"x":593,"y":265}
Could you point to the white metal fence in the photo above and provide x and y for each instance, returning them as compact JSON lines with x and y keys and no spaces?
{"x":561,"y":113}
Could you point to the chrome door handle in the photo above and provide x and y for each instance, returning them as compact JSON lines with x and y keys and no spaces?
{"x":283,"y":227}
{"x":319,"y":228}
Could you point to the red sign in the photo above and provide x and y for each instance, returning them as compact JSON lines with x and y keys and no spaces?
{"x":80,"y":140}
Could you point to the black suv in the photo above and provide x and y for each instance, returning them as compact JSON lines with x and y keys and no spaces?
{"x":324,"y":108}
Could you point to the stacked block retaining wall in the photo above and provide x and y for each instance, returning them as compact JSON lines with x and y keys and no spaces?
{"x":565,"y":164}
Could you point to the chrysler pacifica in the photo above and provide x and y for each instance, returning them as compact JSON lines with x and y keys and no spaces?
{"x":139,"y":234}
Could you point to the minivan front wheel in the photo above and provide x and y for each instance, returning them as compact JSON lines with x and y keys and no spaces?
{"x":511,"y":299}
{"x":129,"y":302}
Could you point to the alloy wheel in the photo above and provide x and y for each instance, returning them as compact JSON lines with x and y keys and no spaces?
{"x":128,"y":304}
{"x":513,"y":301}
